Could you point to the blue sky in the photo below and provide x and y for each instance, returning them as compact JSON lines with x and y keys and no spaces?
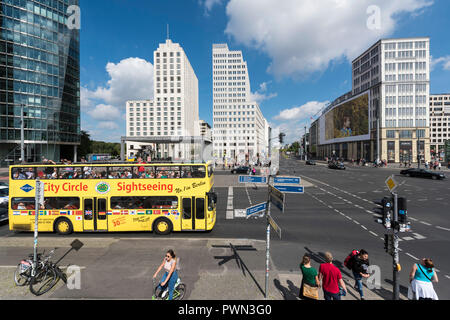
{"x":298,"y":50}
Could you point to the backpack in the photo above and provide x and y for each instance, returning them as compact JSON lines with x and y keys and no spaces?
{"x":350,"y":259}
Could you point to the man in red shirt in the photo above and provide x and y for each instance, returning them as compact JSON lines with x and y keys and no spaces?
{"x":331,"y":278}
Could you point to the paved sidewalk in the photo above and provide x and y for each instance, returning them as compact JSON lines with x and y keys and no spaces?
{"x":114,"y":268}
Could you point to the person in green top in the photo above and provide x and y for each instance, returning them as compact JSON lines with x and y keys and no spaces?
{"x":310,"y":275}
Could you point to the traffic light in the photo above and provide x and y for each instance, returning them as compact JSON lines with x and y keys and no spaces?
{"x":389,"y":245}
{"x":281,"y":137}
{"x":403,"y":223}
{"x":384,"y":213}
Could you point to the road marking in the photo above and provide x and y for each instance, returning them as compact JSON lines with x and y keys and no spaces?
{"x":411,"y":256}
{"x":230,"y":212}
{"x":419,"y":236}
{"x":373,"y":233}
{"x":442,"y":228}
{"x":425,"y":223}
{"x":413,"y":219}
{"x":408,"y":238}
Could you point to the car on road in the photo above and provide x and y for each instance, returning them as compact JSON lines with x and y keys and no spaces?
{"x":336,"y":166}
{"x":3,"y":184}
{"x":310,"y":163}
{"x":4,"y":198}
{"x":422,"y":173}
{"x":241,"y":169}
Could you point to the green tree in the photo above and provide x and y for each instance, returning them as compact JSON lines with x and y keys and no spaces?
{"x":86,"y":144}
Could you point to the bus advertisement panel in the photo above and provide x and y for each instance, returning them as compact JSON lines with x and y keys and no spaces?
{"x":348,"y":121}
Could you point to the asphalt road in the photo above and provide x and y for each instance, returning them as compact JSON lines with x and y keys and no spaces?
{"x":333,"y":215}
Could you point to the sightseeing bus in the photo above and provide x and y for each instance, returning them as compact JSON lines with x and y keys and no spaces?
{"x":113,"y":198}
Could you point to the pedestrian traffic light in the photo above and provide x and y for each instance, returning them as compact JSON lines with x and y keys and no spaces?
{"x":389,"y":245}
{"x":384,"y":213}
{"x":403,"y":224}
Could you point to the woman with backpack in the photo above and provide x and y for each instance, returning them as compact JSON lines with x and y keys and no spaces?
{"x":309,"y":289}
{"x":421,"y":280}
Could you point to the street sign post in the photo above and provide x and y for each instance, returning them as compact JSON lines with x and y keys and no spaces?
{"x":286,"y":180}
{"x":253,"y":179}
{"x":39,"y":200}
{"x":256,"y":209}
{"x":274,"y":225}
{"x":277,"y":198}
{"x":290,"y":189}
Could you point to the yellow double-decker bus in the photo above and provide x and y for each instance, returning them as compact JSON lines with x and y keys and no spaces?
{"x":114,"y":198}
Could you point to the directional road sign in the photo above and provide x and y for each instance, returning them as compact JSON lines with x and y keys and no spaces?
{"x":290,"y":189}
{"x":277,"y":198}
{"x":286,"y":180}
{"x":274,"y":225}
{"x":256,"y":209}
{"x":252,"y":179}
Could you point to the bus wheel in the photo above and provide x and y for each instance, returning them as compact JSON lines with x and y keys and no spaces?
{"x":63,"y":226}
{"x":162,"y":226}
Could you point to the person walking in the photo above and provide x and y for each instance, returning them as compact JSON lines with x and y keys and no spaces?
{"x":310,"y":278}
{"x":421,"y":280}
{"x":170,"y":277}
{"x":360,"y":267}
{"x":331,"y":278}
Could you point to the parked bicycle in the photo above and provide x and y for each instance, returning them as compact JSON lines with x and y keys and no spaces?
{"x":46,"y":274}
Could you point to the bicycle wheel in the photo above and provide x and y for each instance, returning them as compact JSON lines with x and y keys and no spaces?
{"x":43,"y":281}
{"x":21,"y":278}
{"x":179,"y":292}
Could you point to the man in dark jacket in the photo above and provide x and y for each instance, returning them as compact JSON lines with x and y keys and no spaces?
{"x":360,"y":270}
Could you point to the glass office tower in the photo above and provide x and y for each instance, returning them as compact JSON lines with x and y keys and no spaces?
{"x":39,"y":74}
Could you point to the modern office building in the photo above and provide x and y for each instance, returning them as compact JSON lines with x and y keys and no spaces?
{"x":174,"y":112}
{"x":239,"y":126}
{"x":39,"y":74}
{"x":439,"y":126}
{"x":391,"y":82}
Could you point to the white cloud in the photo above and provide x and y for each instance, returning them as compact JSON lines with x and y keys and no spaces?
{"x":261,"y":95}
{"x":209,"y":4}
{"x":105,"y":112}
{"x":303,"y":37}
{"x":130,"y":79}
{"x":444,"y":61}
{"x":305,"y":111}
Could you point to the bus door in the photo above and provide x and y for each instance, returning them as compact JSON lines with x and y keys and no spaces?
{"x":186,"y":216}
{"x":194,"y":214}
{"x":95,"y":214}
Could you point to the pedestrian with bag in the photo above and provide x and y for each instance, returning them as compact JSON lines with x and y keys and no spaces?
{"x":309,"y":289}
{"x":358,"y":262}
{"x":421,"y":280}
{"x":331,"y":279}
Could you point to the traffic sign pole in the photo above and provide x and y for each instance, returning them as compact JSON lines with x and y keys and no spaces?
{"x":396,"y":259}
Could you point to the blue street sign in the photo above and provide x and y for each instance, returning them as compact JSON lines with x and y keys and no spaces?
{"x":252,"y":179}
{"x":290,"y":189}
{"x":288,"y":180}
{"x":256,"y":209}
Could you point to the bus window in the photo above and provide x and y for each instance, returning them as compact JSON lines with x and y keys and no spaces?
{"x":102,"y":209}
{"x":171,"y":172}
{"x":199,"y":208}
{"x":23,"y":203}
{"x":144,"y":203}
{"x":187,"y":209}
{"x":46,"y":173}
{"x":61,"y":203}
{"x":120,"y":173}
{"x":186,"y":172}
{"x":21,"y":173}
{"x":66,"y":173}
{"x":198,"y":172}
{"x":88,"y":209}
{"x":210,"y":170}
